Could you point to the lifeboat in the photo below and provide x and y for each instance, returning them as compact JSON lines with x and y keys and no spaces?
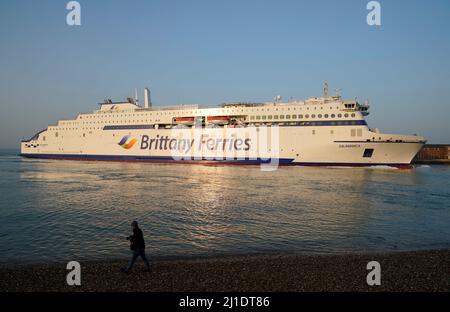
{"x":219,"y":120}
{"x":187,"y":121}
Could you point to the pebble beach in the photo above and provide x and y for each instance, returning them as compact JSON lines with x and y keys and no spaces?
{"x":400,"y":271}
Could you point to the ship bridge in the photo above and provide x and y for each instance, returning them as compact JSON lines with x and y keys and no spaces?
{"x":354,"y":105}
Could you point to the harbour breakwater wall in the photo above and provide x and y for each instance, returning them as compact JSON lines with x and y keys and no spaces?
{"x":433,"y":153}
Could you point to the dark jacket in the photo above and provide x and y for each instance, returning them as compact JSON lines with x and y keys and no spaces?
{"x":137,"y":239}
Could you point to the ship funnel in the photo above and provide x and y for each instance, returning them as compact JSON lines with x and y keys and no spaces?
{"x":147,"y":99}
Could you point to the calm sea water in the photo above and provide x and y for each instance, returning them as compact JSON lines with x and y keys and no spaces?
{"x":68,"y":210}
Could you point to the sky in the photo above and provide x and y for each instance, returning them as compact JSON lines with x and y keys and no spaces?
{"x":210,"y":52}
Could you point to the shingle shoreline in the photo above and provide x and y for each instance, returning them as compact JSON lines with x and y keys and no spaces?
{"x":400,"y":271}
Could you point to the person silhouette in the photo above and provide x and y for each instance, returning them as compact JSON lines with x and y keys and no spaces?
{"x":137,"y":246}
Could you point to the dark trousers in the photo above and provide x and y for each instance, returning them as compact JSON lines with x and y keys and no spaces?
{"x":136,"y":253}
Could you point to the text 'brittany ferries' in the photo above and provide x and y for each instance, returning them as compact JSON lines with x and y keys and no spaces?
{"x":188,"y":144}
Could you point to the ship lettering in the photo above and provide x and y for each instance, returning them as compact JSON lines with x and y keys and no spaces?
{"x":225,"y":144}
{"x":165,"y":143}
{"x":185,"y":145}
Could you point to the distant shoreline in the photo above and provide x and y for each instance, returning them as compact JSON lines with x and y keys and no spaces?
{"x":400,"y":271}
{"x":431,"y":162}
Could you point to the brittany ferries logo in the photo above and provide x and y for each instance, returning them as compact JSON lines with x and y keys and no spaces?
{"x":124,"y":143}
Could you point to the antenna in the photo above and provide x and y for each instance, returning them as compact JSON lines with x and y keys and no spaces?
{"x":136,"y":99}
{"x":338,"y":92}
{"x":325,"y":89}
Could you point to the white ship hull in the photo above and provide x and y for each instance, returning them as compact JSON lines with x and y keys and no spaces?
{"x":296,"y":147}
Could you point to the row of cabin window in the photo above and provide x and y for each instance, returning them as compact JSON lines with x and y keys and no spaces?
{"x":264,"y":117}
{"x":78,"y":128}
{"x":313,"y":132}
{"x":115,"y":121}
{"x":107,"y":114}
{"x":104,"y":122}
{"x":312,"y":123}
{"x":116,"y":115}
{"x":353,"y":132}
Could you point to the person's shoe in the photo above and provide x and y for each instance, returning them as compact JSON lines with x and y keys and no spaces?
{"x":124,"y":270}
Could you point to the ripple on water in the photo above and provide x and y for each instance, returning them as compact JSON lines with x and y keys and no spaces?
{"x":54,"y":210}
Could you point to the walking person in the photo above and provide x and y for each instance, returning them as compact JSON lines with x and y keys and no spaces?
{"x":137,"y":245}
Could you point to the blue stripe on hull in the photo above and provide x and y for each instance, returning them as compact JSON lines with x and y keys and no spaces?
{"x":169,"y":159}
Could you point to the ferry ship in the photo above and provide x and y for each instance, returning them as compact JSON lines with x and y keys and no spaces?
{"x":319,"y":131}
